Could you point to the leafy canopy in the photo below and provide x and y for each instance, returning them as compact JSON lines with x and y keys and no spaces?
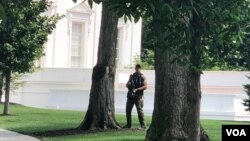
{"x":221,"y":25}
{"x":24,"y":33}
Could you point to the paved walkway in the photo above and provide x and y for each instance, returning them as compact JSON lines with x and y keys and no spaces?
{"x":6,"y":135}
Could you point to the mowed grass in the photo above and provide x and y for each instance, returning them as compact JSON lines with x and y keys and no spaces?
{"x":43,"y":123}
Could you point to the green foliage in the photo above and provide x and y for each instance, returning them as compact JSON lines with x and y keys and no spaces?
{"x":228,"y":57}
{"x":146,"y":60}
{"x":212,"y":32}
{"x":220,"y":57}
{"x":130,"y":9}
{"x":147,"y":31}
{"x":23,"y":35}
{"x":247,"y":101}
{"x":225,"y":43}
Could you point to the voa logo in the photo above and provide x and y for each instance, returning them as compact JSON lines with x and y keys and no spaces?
{"x":236,"y":132}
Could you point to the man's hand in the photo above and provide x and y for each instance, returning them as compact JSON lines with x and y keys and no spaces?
{"x":135,"y":90}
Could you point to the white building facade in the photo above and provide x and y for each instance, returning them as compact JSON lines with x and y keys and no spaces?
{"x":64,"y":81}
{"x":59,"y":88}
{"x":74,"y":41}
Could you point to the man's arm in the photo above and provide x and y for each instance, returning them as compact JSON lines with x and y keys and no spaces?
{"x":145,"y":85}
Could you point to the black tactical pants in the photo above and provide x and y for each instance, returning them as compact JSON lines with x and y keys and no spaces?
{"x":138,"y":102}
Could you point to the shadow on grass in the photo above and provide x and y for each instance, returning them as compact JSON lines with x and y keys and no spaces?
{"x":60,"y":132}
{"x":132,"y":140}
{"x":3,"y":115}
{"x":75,"y":131}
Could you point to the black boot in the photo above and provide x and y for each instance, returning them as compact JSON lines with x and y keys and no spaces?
{"x":128,"y":125}
{"x":142,"y":121}
{"x":143,"y":125}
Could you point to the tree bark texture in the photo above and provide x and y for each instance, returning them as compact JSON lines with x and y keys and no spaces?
{"x":100,"y":113}
{"x":176,"y":115}
{"x":1,"y":87}
{"x":7,"y":93}
{"x":168,"y":122}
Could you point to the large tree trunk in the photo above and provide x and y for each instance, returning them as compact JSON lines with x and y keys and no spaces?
{"x":176,"y":114}
{"x":177,"y":102}
{"x":7,"y":93}
{"x":168,"y":123}
{"x":1,"y":87}
{"x":100,"y":113}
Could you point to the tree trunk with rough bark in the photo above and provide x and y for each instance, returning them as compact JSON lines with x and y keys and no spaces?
{"x":169,"y":107}
{"x":7,"y":93}
{"x":100,"y":113}
{"x":176,"y":115}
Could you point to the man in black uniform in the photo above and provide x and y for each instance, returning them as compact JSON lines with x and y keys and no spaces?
{"x":136,"y":85}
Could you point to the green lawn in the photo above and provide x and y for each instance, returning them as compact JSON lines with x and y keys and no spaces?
{"x":47,"y":123}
